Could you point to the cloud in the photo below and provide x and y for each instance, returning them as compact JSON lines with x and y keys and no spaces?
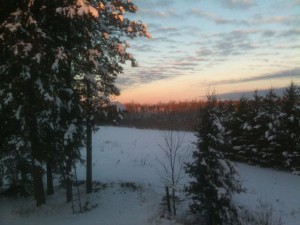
{"x":228,"y":44}
{"x":153,"y":4}
{"x":281,"y":74}
{"x":249,"y":94}
{"x":215,"y":18}
{"x":238,"y":4}
{"x":162,"y":14}
{"x":241,"y":34}
{"x":290,"y":32}
{"x":142,"y":47}
{"x":167,"y":29}
{"x":269,"y":33}
{"x":178,"y":49}
{"x":287,"y":46}
{"x":169,"y":68}
{"x":258,"y":19}
{"x":164,"y":39}
{"x":295,"y":3}
{"x":144,"y":75}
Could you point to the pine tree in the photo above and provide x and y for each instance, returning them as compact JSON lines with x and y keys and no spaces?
{"x":289,"y":139}
{"x":228,"y":111}
{"x":44,"y":46}
{"x":239,"y":131}
{"x":213,"y":176}
{"x":21,"y":90}
{"x":269,"y":152}
{"x":97,"y":54}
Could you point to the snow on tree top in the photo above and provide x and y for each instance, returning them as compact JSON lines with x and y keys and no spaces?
{"x":90,"y":77}
{"x":17,"y":13}
{"x":13,"y":26}
{"x":55,"y":66}
{"x":27,"y":48}
{"x":9,"y":98}
{"x":82,"y":8}
{"x":92,"y":53}
{"x":69,"y":134}
{"x":86,"y":9}
{"x":37,"y":57}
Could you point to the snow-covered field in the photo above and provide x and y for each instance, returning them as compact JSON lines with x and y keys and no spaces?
{"x":125,"y":156}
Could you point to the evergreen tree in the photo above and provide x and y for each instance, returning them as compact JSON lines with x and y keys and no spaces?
{"x":254,"y":128}
{"x":289,"y":139}
{"x":97,"y":54}
{"x":269,"y":153}
{"x":22,"y":92}
{"x":44,"y":46}
{"x":213,"y":176}
{"x":229,"y":112}
{"x":239,"y":130}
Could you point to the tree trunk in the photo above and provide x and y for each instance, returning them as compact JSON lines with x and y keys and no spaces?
{"x":36,"y":152}
{"x":68,"y":180}
{"x":69,"y":190}
{"x":210,"y":216}
{"x":168,"y":199}
{"x":89,"y":182}
{"x":37,"y":174}
{"x":89,"y":132}
{"x":37,"y":170}
{"x":50,"y":188}
{"x":174,"y":202}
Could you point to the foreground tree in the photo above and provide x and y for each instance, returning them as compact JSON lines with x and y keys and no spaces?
{"x":44,"y":45}
{"x":101,"y":50}
{"x":269,"y":153}
{"x":213,"y":176}
{"x":289,"y":130}
{"x":238,"y":127}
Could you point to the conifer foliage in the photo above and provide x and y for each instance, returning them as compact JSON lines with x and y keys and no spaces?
{"x":263,"y":130}
{"x":274,"y":129}
{"x":214,"y":179}
{"x":46,"y":48}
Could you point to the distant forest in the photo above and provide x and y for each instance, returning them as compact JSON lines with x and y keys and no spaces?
{"x":173,"y":115}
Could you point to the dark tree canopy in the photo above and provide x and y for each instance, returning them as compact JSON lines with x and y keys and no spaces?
{"x":46,"y":48}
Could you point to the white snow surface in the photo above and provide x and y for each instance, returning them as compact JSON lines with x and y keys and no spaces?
{"x":130,"y":155}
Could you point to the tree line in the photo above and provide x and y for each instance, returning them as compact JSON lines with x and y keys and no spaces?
{"x":173,"y":115}
{"x":264,"y":130}
{"x":58,"y":64}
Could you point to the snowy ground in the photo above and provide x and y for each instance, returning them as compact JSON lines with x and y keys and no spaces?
{"x":123,"y":155}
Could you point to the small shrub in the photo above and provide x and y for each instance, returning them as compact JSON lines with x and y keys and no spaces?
{"x":98,"y":186}
{"x":88,"y":206}
{"x":130,"y":186}
{"x":265,"y":215}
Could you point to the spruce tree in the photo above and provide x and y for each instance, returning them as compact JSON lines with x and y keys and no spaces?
{"x":44,"y":46}
{"x":289,"y":139}
{"x":213,"y":176}
{"x":239,"y":130}
{"x":269,"y":154}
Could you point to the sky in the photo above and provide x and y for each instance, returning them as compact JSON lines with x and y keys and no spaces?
{"x":200,"y":46}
